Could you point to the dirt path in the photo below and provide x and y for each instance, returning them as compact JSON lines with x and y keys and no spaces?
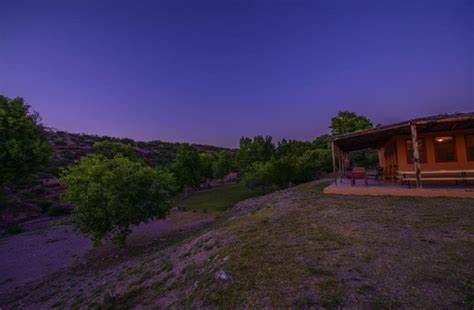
{"x":49,"y":248}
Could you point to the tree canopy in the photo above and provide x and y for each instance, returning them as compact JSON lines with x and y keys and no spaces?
{"x":206,"y":162}
{"x":259,"y":149}
{"x":113,"y":194}
{"x":24,"y":149}
{"x":223,"y":165}
{"x":187,"y":166}
{"x":347,"y":121}
{"x":111,"y":149}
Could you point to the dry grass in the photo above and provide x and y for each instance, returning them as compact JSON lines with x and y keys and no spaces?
{"x":298,"y":248}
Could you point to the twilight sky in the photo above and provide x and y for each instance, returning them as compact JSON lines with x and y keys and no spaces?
{"x":213,"y":71}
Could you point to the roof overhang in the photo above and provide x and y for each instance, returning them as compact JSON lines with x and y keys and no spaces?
{"x":378,"y":136}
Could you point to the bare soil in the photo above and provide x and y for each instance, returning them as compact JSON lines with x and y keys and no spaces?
{"x":51,"y":245}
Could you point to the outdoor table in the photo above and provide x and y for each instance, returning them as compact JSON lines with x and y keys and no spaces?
{"x":358,"y":174}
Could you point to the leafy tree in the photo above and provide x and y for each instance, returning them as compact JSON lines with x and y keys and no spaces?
{"x":290,"y":169}
{"x":312,"y":164}
{"x":223,"y":165}
{"x":364,"y":158}
{"x":24,"y":149}
{"x":127,"y":141}
{"x":206,"y":164}
{"x":259,"y":149}
{"x":292,"y":148}
{"x":347,"y":121}
{"x":111,"y":149}
{"x":283,"y":171}
{"x":260,"y":176}
{"x":187,"y":167}
{"x":321,"y":142}
{"x":113,"y":194}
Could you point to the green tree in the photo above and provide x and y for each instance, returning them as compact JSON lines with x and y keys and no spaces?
{"x":260,"y":176}
{"x":312,"y":164}
{"x":259,"y":149}
{"x":223,"y":165}
{"x":187,"y":167}
{"x":113,"y":194}
{"x":111,"y":149}
{"x":206,"y":164}
{"x":24,"y":149}
{"x":292,"y":148}
{"x":321,"y":142}
{"x":347,"y":121}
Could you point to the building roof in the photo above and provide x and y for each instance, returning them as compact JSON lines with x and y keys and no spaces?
{"x":378,"y":136}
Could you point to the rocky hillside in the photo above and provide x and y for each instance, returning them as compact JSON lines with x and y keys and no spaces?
{"x":69,"y":147}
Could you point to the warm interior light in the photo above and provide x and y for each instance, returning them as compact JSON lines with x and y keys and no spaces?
{"x":442,"y":139}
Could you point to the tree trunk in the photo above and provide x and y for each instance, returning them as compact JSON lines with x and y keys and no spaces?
{"x":416,"y":155}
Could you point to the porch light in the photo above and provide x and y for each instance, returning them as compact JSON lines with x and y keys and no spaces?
{"x":442,"y":139}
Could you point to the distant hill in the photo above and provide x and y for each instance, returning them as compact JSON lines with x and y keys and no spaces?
{"x":68,"y":147}
{"x":42,"y":196}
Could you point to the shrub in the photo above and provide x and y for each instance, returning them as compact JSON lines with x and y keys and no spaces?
{"x":13,"y":229}
{"x":57,"y":211}
{"x":44,"y":205}
{"x":113,"y":194}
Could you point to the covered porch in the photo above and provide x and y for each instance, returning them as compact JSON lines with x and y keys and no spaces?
{"x":411,"y":163}
{"x":375,"y":188}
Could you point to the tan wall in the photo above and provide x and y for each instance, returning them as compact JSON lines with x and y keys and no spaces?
{"x":431,"y":164}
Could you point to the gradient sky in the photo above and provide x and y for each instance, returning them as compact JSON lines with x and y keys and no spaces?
{"x":213,"y":71}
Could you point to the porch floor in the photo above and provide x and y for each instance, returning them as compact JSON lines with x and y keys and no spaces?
{"x":397,"y":189}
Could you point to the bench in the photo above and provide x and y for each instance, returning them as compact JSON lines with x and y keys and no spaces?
{"x":436,"y":175}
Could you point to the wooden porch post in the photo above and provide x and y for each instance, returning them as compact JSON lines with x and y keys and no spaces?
{"x":416,"y":155}
{"x":334,"y":162}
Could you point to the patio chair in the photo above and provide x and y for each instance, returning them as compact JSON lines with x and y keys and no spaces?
{"x":378,"y":173}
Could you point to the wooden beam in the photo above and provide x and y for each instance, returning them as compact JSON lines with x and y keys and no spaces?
{"x":334,"y":163}
{"x":416,"y":155}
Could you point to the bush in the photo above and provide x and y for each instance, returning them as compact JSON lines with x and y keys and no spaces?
{"x":113,"y":194}
{"x":57,"y":211}
{"x":13,"y":229}
{"x":44,"y":205}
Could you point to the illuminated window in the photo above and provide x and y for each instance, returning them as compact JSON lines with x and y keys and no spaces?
{"x":445,"y":149}
{"x":421,"y":151}
{"x":470,"y":147}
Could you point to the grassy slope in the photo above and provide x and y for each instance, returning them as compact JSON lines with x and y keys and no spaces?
{"x":297,"y":248}
{"x":216,"y":200}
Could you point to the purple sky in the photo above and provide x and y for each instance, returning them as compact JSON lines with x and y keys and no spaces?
{"x":213,"y":71}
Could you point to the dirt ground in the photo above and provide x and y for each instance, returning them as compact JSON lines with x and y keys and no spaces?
{"x":53,"y":245}
{"x":297,"y":248}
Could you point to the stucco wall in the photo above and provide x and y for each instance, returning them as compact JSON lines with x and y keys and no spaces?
{"x":431,"y":164}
